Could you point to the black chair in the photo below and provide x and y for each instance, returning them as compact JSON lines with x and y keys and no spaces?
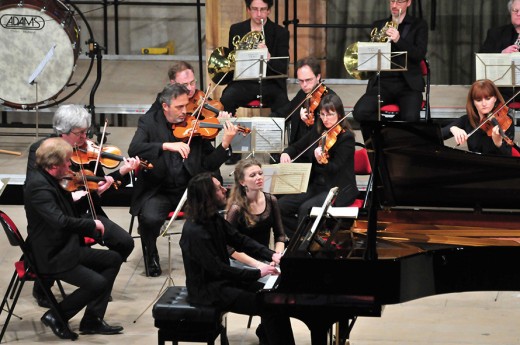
{"x":25,"y":270}
{"x":178,"y":320}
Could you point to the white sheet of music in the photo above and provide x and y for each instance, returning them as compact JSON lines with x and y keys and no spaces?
{"x":271,"y":282}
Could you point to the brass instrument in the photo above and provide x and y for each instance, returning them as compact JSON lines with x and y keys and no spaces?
{"x":350,"y":58}
{"x":222,"y":59}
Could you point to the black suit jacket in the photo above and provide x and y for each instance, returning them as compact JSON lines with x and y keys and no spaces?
{"x":55,"y":230}
{"x":276,"y":40}
{"x":152,"y":131}
{"x":499,"y":38}
{"x":413,"y":40}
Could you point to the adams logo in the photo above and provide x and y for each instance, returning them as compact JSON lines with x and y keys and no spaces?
{"x":26,"y":22}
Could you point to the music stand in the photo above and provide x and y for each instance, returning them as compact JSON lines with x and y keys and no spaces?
{"x":502,"y":69}
{"x":377,"y":57}
{"x":168,"y":282}
{"x":251,"y":64}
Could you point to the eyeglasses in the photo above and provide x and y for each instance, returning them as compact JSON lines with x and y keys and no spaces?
{"x":80,"y":133}
{"x":330,"y":114}
{"x":191,"y":83}
{"x":258,"y":9}
{"x":398,"y":1}
{"x":516,"y":11}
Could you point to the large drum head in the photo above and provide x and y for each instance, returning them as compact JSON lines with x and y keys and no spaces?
{"x":39,"y":51}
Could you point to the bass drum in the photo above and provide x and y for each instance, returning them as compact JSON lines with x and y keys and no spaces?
{"x":40,"y":47}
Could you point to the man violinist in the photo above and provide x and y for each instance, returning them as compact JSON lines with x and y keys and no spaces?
{"x":55,"y":230}
{"x":308,"y":71}
{"x":181,"y":72}
{"x":71,"y":123}
{"x":159,"y":191}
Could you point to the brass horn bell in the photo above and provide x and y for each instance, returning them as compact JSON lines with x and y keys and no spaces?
{"x":220,"y":62}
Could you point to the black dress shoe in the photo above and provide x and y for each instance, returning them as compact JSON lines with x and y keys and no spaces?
{"x":42,"y":301}
{"x":154,"y":267}
{"x":98,"y":326}
{"x":57,"y":326}
{"x":262,"y":337}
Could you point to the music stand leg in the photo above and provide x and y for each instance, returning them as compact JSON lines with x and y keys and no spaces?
{"x":168,"y":282}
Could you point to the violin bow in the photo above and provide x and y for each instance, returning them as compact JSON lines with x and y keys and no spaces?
{"x":198,"y":112}
{"x":309,"y":95}
{"x":320,"y":137}
{"x":100,"y":146}
{"x":490,"y":116}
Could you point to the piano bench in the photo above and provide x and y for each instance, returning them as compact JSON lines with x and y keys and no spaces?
{"x":178,"y":320}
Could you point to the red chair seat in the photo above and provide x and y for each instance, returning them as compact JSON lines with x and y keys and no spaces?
{"x":180,"y":215}
{"x":253,"y":104}
{"x":357,"y":203}
{"x":514,"y":105}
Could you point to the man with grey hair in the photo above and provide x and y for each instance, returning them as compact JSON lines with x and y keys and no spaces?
{"x":505,"y":39}
{"x":71,"y":122}
{"x":158,"y":191}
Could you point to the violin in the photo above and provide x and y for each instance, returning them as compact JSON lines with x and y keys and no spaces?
{"x":207,"y":128}
{"x":314,"y":102}
{"x":328,"y":141}
{"x":501,"y":119}
{"x":76,"y":180}
{"x":210,"y":108}
{"x":110,"y":156}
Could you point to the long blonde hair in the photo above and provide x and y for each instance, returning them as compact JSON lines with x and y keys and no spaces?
{"x":238,"y":194}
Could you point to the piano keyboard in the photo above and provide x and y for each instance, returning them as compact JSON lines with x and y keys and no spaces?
{"x":271,"y":282}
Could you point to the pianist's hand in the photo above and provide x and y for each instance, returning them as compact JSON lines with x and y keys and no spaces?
{"x":267,"y":269}
{"x":459,"y":135}
{"x":276,"y":258}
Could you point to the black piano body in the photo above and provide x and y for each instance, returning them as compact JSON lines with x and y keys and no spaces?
{"x":460,"y":214}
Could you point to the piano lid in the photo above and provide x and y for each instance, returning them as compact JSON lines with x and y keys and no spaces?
{"x":417,"y":170}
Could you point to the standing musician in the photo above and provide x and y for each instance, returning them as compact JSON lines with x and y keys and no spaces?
{"x":274,"y":91}
{"x":159,"y":190}
{"x":505,"y":39}
{"x":483,"y":99}
{"x":55,"y":230}
{"x":308,"y":71}
{"x":401,"y":87}
{"x":181,"y":72}
{"x":71,"y":123}
{"x":209,"y":277}
{"x":332,"y":164}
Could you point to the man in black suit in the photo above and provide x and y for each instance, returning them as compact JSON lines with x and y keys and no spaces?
{"x":274,"y":91}
{"x":505,"y":39}
{"x":55,"y":230}
{"x":158,"y":191}
{"x":403,"y":88}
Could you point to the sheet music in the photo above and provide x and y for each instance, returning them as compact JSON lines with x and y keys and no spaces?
{"x":269,"y":134}
{"x":286,"y":178}
{"x":368,"y":56}
{"x":337,"y":212}
{"x":270,"y":282}
{"x":497,"y":68}
{"x":250,"y":64}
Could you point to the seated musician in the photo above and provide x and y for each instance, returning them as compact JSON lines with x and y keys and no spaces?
{"x":483,"y":99}
{"x":276,"y":40}
{"x":181,"y":72}
{"x":209,"y":277}
{"x":159,"y":190}
{"x":253,"y":212}
{"x":71,"y":123}
{"x":308,"y":71}
{"x":332,"y":164}
{"x":55,"y":231}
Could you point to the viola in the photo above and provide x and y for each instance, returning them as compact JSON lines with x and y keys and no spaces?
{"x":328,"y":141}
{"x":76,"y":180}
{"x":207,"y":128}
{"x":210,"y":108}
{"x":314,"y":102}
{"x":110,"y":156}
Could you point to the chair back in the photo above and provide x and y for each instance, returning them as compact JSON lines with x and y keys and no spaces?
{"x":361,"y":162}
{"x":11,"y":230}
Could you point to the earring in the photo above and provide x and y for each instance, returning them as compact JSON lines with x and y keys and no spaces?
{"x":245,"y":188}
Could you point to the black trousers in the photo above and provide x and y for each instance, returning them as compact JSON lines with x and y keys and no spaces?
{"x":94,"y":276}
{"x":116,"y":238}
{"x":153,"y":214}
{"x":239,"y":94}
{"x":393,"y":91}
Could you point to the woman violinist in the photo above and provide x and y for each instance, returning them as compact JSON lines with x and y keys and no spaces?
{"x":332,"y":163}
{"x":483,"y":99}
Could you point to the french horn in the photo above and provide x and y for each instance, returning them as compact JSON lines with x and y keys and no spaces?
{"x":350,"y":57}
{"x":222,"y":59}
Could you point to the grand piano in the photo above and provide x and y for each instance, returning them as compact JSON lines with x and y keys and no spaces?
{"x":440,"y":220}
